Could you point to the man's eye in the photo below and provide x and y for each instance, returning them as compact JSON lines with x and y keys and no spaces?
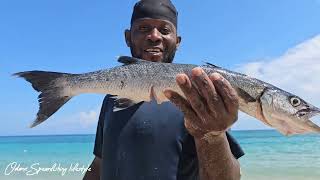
{"x":165,"y":31}
{"x":143,"y":28}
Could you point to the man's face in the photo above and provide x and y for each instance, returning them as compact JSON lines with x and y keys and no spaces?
{"x":153,"y":40}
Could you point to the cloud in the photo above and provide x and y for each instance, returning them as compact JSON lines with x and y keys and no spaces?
{"x":81,"y":122}
{"x":88,"y":118}
{"x":296,"y":71}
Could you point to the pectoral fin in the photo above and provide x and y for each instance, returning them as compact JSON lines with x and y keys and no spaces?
{"x":245,"y":96}
{"x":121,"y":103}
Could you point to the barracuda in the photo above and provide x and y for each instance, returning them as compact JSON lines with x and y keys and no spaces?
{"x":138,"y":80}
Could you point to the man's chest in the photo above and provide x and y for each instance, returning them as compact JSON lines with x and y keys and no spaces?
{"x":149,"y":123}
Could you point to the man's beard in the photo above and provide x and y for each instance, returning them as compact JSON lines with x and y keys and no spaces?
{"x":168,"y":58}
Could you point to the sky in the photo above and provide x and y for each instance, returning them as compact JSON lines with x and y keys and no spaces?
{"x":275,"y":41}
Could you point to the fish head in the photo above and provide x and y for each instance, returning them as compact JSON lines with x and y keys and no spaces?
{"x":288,"y":113}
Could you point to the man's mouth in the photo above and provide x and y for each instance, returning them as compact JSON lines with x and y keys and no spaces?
{"x":153,"y":51}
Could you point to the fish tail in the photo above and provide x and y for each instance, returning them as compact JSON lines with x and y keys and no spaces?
{"x":51,"y":96}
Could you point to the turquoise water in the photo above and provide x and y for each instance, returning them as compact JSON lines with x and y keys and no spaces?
{"x":269,"y":155}
{"x":39,"y":152}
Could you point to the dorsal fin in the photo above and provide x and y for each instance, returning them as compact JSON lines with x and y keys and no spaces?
{"x":126,"y":60}
{"x":211,"y":65}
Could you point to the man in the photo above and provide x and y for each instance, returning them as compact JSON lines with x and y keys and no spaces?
{"x":148,"y":141}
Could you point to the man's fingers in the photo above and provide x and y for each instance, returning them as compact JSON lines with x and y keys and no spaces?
{"x":181,"y":102}
{"x":192,"y":95}
{"x":226,"y":91}
{"x":206,"y":89}
{"x":190,"y":117}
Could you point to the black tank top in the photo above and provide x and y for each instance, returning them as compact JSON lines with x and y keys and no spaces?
{"x":147,"y":141}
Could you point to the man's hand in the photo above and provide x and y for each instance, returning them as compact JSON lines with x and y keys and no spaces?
{"x":211,"y":104}
{"x":210,"y":108}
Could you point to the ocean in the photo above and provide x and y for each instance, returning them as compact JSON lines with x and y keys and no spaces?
{"x":269,"y":155}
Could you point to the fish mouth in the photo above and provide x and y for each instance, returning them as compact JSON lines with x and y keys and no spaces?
{"x":308,"y":121}
{"x":312,"y":117}
{"x":308,"y":113}
{"x":315,"y":116}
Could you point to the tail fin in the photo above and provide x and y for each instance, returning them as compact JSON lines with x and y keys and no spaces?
{"x":50,"y":98}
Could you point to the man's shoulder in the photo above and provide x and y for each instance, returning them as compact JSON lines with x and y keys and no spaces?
{"x":106,"y":98}
{"x":105,"y":102}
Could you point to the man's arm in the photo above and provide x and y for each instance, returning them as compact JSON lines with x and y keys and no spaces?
{"x":216,"y":160}
{"x":94,"y":173}
{"x":210,"y":108}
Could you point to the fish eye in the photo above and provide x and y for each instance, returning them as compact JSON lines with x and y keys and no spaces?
{"x":295,"y":101}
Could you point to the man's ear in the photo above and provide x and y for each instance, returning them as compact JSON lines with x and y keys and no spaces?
{"x":127,"y":36}
{"x":178,"y":41}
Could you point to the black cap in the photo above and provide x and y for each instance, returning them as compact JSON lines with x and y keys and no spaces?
{"x":157,"y":9}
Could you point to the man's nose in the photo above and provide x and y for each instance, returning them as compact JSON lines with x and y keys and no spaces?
{"x":155,"y":35}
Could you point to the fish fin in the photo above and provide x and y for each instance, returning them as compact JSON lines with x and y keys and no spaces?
{"x":49,"y":105}
{"x":121,"y":103}
{"x":211,"y":65}
{"x":50,"y":98}
{"x":153,"y":95}
{"x":245,"y":96}
{"x":126,"y":60}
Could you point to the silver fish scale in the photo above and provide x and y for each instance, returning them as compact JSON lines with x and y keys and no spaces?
{"x":132,"y":81}
{"x":250,"y":85}
{"x":143,"y":76}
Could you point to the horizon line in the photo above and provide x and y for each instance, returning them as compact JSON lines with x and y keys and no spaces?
{"x":32,"y":135}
